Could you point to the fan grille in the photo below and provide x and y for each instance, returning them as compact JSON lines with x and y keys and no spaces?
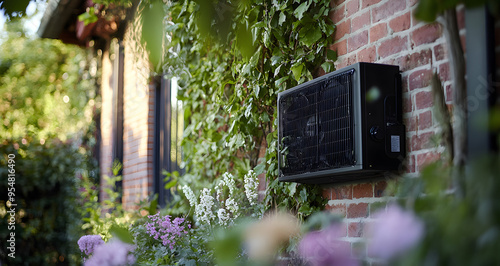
{"x":316,"y":126}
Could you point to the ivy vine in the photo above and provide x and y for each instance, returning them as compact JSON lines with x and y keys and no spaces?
{"x":233,"y":58}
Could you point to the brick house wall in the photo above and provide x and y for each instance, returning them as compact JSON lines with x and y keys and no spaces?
{"x":385,"y":31}
{"x":138,"y":123}
{"x":138,"y":129}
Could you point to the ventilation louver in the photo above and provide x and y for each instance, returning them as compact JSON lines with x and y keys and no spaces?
{"x":342,"y":126}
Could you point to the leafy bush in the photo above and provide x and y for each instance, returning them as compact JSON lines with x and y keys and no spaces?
{"x":47,"y":220}
{"x":231,"y":73}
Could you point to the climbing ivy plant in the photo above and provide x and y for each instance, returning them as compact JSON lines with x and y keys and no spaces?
{"x":233,"y":58}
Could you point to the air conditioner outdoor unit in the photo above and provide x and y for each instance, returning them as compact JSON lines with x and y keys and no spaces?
{"x":343,"y":126}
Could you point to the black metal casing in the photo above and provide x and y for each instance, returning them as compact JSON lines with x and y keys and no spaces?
{"x":343,"y":126}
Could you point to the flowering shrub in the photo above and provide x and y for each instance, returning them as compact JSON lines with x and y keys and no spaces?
{"x":251,"y":187}
{"x":226,"y":205}
{"x":166,"y":230}
{"x":204,"y":209}
{"x":88,"y":243}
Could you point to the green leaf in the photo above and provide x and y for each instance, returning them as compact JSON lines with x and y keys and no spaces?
{"x":88,"y":17}
{"x":331,"y":55}
{"x":292,"y":188}
{"x":328,"y":67}
{"x":299,"y":11}
{"x":121,"y":233}
{"x":259,"y":169}
{"x":153,"y":205}
{"x":297,"y":71}
{"x":172,"y":183}
{"x":282,"y":18}
{"x":280,"y":81}
{"x":309,"y":35}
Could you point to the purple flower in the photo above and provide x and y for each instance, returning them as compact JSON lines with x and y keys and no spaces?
{"x":166,"y":230}
{"x":111,"y":254}
{"x":324,"y":248}
{"x":394,"y":232}
{"x":88,"y":243}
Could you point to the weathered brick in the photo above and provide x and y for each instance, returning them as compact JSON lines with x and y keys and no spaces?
{"x":346,"y":61}
{"x":355,"y":229}
{"x":357,"y":210}
{"x":360,"y":21}
{"x":356,"y":41}
{"x":340,"y":47}
{"x":423,"y":100}
{"x":426,"y":34}
{"x":401,"y":23}
{"x":407,"y":106}
{"x":411,"y":61}
{"x":387,"y":9}
{"x":425,"y":120}
{"x":338,"y":209}
{"x":410,"y":123}
{"x":338,"y":13}
{"x":368,"y":54}
{"x":367,"y":3}
{"x":352,"y":6}
{"x":421,"y":141}
{"x":378,"y":32}
{"x":364,"y":190}
{"x":426,"y":158}
{"x":410,"y":165}
{"x":439,"y":52}
{"x":419,"y":79}
{"x":392,"y":46}
{"x":343,"y":28}
{"x":444,"y":72}
{"x":342,"y":192}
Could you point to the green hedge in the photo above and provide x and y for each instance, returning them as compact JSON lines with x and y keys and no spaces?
{"x":47,"y":224}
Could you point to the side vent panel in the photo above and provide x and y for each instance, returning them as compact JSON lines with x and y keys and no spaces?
{"x":321,"y":127}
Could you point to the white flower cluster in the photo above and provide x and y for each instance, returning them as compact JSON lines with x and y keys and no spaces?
{"x":251,"y":186}
{"x":228,"y":180}
{"x":190,"y":196}
{"x":203,"y":210}
{"x":224,"y":217}
{"x":232,"y":206}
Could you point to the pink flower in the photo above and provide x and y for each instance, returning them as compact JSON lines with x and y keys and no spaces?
{"x":394,"y":232}
{"x":325,"y":248}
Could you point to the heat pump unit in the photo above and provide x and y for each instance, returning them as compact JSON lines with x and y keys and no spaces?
{"x":343,"y":126}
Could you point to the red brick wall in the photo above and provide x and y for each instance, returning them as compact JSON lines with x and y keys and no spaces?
{"x":138,"y":129}
{"x":385,"y":31}
{"x":138,"y":119}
